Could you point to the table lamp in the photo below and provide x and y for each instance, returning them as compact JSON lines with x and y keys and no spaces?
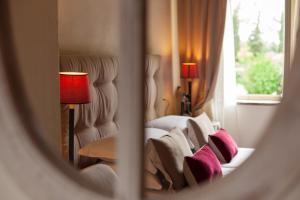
{"x":189,"y":71}
{"x":74,"y":89}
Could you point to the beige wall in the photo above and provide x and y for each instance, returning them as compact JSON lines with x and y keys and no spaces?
{"x":35,"y":26}
{"x":91,"y":27}
{"x":250,"y":123}
{"x":159,"y":41}
{"x":88,"y":27}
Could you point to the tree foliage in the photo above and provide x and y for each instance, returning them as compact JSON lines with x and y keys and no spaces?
{"x":262,"y":77}
{"x":259,"y":70}
{"x":281,"y":34}
{"x":236,"y":27}
{"x":255,"y":42}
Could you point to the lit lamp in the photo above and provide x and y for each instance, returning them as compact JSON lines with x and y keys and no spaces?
{"x":74,"y":89}
{"x":189,"y":71}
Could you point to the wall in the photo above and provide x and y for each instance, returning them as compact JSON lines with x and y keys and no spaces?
{"x":88,"y":27}
{"x":159,"y":42}
{"x":91,"y":27}
{"x":35,"y":26}
{"x":250,"y":123}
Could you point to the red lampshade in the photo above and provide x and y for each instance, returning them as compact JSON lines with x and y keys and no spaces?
{"x":189,"y":70}
{"x":74,"y":88}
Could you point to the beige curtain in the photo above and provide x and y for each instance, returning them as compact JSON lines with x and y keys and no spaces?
{"x":201,"y":28}
{"x":294,"y":15}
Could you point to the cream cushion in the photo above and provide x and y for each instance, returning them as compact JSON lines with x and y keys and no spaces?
{"x":189,"y":175}
{"x":171,"y":150}
{"x":154,"y":133}
{"x":101,"y":176}
{"x":216,"y":151}
{"x":199,"y":128}
{"x":170,"y":122}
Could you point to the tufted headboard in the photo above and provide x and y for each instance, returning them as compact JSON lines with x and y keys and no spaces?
{"x":152,"y":67}
{"x":99,"y":118}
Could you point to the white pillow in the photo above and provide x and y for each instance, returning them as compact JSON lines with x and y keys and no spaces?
{"x":154,"y":133}
{"x":170,"y":122}
{"x":199,"y":128}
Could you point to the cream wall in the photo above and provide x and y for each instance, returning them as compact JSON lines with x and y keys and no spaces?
{"x":159,"y":41}
{"x":88,"y":27}
{"x":35,"y":26}
{"x":252,"y":121}
{"x":249,"y":125}
{"x":91,"y":27}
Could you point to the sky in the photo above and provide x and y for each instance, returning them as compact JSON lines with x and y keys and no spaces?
{"x":270,"y":11}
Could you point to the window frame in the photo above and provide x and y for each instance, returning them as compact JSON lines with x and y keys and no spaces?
{"x":268,"y":98}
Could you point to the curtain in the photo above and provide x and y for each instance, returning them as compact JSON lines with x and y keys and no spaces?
{"x":294,"y":16}
{"x":201,"y":28}
{"x":224,"y":101}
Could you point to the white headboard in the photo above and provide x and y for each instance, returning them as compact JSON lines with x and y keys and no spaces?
{"x":152,"y":67}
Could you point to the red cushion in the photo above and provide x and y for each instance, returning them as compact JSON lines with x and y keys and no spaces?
{"x":225,"y":144}
{"x":204,"y":165}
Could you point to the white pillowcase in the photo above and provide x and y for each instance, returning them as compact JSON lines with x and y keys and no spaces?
{"x":154,"y":133}
{"x":170,"y":122}
{"x":199,"y":128}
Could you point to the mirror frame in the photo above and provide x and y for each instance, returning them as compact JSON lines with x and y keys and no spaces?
{"x":24,"y":157}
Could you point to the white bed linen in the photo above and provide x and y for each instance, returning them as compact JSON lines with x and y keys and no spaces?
{"x":170,"y":122}
{"x":242,"y":155}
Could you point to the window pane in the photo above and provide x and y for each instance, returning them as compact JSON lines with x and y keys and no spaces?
{"x":259,"y":46}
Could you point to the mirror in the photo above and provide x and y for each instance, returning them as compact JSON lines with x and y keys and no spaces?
{"x":173,"y":85}
{"x":191,"y":73}
{"x":89,"y":42}
{"x":220,"y":93}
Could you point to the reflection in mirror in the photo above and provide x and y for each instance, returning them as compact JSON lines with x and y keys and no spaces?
{"x":212,"y":87}
{"x":89,"y":66}
{"x":214,"y":76}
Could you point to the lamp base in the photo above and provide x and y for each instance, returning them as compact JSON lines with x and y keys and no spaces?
{"x":190,"y":94}
{"x":71,"y":133}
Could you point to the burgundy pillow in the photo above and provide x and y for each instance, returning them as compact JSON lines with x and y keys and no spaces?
{"x":202,"y":166}
{"x":223,"y":145}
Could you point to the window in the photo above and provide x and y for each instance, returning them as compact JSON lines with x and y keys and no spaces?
{"x":259,"y":28}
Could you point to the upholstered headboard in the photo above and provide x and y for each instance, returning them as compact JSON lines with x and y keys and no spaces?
{"x":99,"y":118}
{"x":152,"y":67}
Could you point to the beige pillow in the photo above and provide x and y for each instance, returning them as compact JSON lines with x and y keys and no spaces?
{"x":171,"y":150}
{"x":151,"y":181}
{"x":199,"y":128}
{"x":105,"y":149}
{"x":102,"y":176}
{"x":170,"y":122}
